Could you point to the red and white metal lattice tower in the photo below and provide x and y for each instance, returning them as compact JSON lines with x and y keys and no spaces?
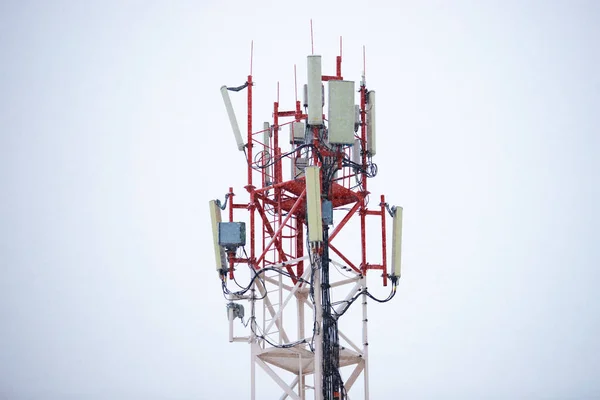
{"x":306,"y":209}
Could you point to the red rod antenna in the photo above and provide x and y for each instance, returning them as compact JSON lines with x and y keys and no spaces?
{"x":338,"y":62}
{"x":251,"y":54}
{"x":312,"y":43}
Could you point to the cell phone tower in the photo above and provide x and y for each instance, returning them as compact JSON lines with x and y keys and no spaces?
{"x":306,"y":188}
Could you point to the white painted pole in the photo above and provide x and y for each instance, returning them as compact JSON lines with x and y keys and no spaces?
{"x":253,"y":344}
{"x":300,"y":298}
{"x":318,"y":375}
{"x":365,"y":340}
{"x":300,"y":378}
{"x":231,"y":318}
{"x":281,"y":305}
{"x":252,"y":371}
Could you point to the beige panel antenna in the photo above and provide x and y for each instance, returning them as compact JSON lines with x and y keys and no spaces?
{"x":341,"y":112}
{"x":313,"y":204}
{"x":215,"y":218}
{"x":397,"y":242}
{"x":371,"y":131}
{"x":315,"y":91}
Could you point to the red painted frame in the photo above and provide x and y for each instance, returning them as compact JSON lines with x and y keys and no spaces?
{"x":282,"y":237}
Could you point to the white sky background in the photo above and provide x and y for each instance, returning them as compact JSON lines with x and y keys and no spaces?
{"x":113,"y":137}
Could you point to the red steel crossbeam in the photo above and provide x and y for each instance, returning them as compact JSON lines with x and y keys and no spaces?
{"x":293,"y":204}
{"x":344,"y":221}
{"x":343,"y":257}
{"x":296,"y":114}
{"x":276,"y":240}
{"x":281,"y":226}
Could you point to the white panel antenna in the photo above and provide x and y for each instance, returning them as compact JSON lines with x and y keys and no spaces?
{"x":397,"y":241}
{"x":315,"y":91}
{"x":341,"y":112}
{"x":371,"y":133}
{"x":266,"y":134}
{"x":313,"y":204}
{"x":232,"y":119}
{"x":215,"y":219}
{"x":297,"y":132}
{"x":267,"y":154}
{"x":356,"y":149}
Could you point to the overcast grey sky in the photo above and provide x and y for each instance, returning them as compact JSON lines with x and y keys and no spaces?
{"x":113,"y":137}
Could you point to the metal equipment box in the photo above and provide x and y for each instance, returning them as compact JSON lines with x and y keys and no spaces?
{"x":327,"y":212}
{"x":232,"y":234}
{"x":297,"y":132}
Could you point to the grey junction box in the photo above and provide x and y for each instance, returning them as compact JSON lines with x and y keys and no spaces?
{"x":232,"y":234}
{"x":327,"y":212}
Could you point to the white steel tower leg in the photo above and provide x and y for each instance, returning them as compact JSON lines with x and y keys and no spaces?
{"x":300,"y":299}
{"x":253,"y":345}
{"x":365,"y":339}
{"x":252,"y":370}
{"x":318,"y":374}
{"x":231,"y":317}
{"x":279,"y":316}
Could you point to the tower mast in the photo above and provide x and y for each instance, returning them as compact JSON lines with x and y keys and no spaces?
{"x":302,"y":193}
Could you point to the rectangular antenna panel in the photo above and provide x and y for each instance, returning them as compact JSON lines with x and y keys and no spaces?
{"x":267,"y":153}
{"x":232,"y":119}
{"x":341,"y":112}
{"x":356,"y":156}
{"x":215,"y":219}
{"x":313,"y":204}
{"x":314,"y":92}
{"x":397,"y":242}
{"x":371,"y":134}
{"x":297,"y":132}
{"x":266,"y":135}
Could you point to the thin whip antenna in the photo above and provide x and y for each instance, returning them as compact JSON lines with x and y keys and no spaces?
{"x":277,"y":91}
{"x":340,"y":46}
{"x":251,"y":55}
{"x":295,"y":84}
{"x":312,"y":43}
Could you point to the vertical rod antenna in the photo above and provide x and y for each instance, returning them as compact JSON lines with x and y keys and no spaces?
{"x":251,"y":54}
{"x":312,"y":43}
{"x":277,"y":91}
{"x":338,"y":62}
{"x":295,"y":85}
